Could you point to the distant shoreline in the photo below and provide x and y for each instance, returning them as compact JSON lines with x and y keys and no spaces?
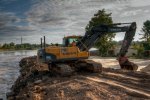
{"x":2,"y":50}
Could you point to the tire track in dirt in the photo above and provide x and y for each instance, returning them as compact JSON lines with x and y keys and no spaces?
{"x":122,"y":76}
{"x":126,"y":87}
{"x":128,"y":82}
{"x":139,"y":75}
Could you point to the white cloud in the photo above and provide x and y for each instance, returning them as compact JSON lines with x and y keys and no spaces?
{"x":139,"y":3}
{"x":131,"y":13}
{"x":7,"y":18}
{"x":56,"y":18}
{"x":73,"y":15}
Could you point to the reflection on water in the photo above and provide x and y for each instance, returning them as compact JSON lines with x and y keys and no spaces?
{"x":9,"y":68}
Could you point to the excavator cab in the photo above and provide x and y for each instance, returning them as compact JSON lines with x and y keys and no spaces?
{"x":67,"y":41}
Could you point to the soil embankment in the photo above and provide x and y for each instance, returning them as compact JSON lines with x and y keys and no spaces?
{"x":112,"y":84}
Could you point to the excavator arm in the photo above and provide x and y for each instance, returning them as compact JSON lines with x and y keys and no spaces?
{"x":90,"y":38}
{"x":129,"y":36}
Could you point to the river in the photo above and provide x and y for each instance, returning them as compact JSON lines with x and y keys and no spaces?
{"x":9,"y":68}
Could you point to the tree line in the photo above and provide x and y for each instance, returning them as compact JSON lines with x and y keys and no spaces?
{"x":24,"y":46}
{"x":105,"y":43}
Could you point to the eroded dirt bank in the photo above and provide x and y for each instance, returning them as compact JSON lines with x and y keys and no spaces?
{"x":109,"y":85}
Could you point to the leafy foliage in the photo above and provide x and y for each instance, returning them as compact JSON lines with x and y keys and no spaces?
{"x":139,"y":47}
{"x":13,"y":46}
{"x":105,"y":42}
{"x":146,"y":30}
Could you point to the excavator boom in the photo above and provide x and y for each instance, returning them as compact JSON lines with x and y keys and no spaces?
{"x":90,"y":38}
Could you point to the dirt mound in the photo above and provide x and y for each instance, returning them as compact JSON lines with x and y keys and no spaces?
{"x":110,"y":84}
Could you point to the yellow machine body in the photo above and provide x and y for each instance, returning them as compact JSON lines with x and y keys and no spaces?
{"x":63,"y":52}
{"x":66,"y":52}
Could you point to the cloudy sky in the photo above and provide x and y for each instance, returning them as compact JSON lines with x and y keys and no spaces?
{"x":55,"y":19}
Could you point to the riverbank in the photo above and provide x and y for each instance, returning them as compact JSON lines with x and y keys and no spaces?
{"x":111,"y":84}
{"x":13,"y":51}
{"x":6,"y":50}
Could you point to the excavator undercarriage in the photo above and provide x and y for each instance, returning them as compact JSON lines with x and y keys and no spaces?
{"x":68,"y":68}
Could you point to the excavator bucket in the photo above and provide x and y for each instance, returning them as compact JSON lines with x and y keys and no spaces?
{"x":129,"y":66}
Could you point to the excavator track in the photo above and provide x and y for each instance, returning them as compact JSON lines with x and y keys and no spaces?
{"x":63,"y":69}
{"x":90,"y":65}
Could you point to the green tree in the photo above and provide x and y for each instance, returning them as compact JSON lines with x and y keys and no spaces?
{"x":0,"y":45}
{"x":146,"y":30}
{"x":12,"y":45}
{"x":5,"y":46}
{"x":105,"y":42}
{"x":139,"y":47}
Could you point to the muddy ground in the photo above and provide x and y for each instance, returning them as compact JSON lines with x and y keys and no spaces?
{"x":111,"y":84}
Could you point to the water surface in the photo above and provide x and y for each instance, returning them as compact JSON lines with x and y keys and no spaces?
{"x":9,"y":68}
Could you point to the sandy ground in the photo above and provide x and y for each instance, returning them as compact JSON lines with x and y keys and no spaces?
{"x":111,"y":84}
{"x":146,"y":69}
{"x":109,"y":62}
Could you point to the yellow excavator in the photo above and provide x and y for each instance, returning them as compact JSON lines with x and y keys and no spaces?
{"x":68,"y":58}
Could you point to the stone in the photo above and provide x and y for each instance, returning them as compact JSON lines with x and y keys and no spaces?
{"x":37,"y":89}
{"x":9,"y":94}
{"x":38,"y":82}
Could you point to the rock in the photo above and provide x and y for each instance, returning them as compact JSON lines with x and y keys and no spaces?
{"x":25,"y":95}
{"x":54,"y":82}
{"x":11,"y":98}
{"x":29,"y":84}
{"x":44,"y":78}
{"x":9,"y":94}
{"x":37,"y":89}
{"x":62,"y":93}
{"x":23,"y":74}
{"x":38,"y":82}
{"x":45,"y":93}
{"x":44,"y":87}
{"x":17,"y":97}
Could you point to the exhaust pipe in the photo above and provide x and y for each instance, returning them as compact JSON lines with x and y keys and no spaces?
{"x":41,"y":43}
{"x":44,"y":43}
{"x":44,"y":49}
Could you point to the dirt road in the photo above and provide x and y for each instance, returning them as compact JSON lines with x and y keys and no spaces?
{"x":111,"y":84}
